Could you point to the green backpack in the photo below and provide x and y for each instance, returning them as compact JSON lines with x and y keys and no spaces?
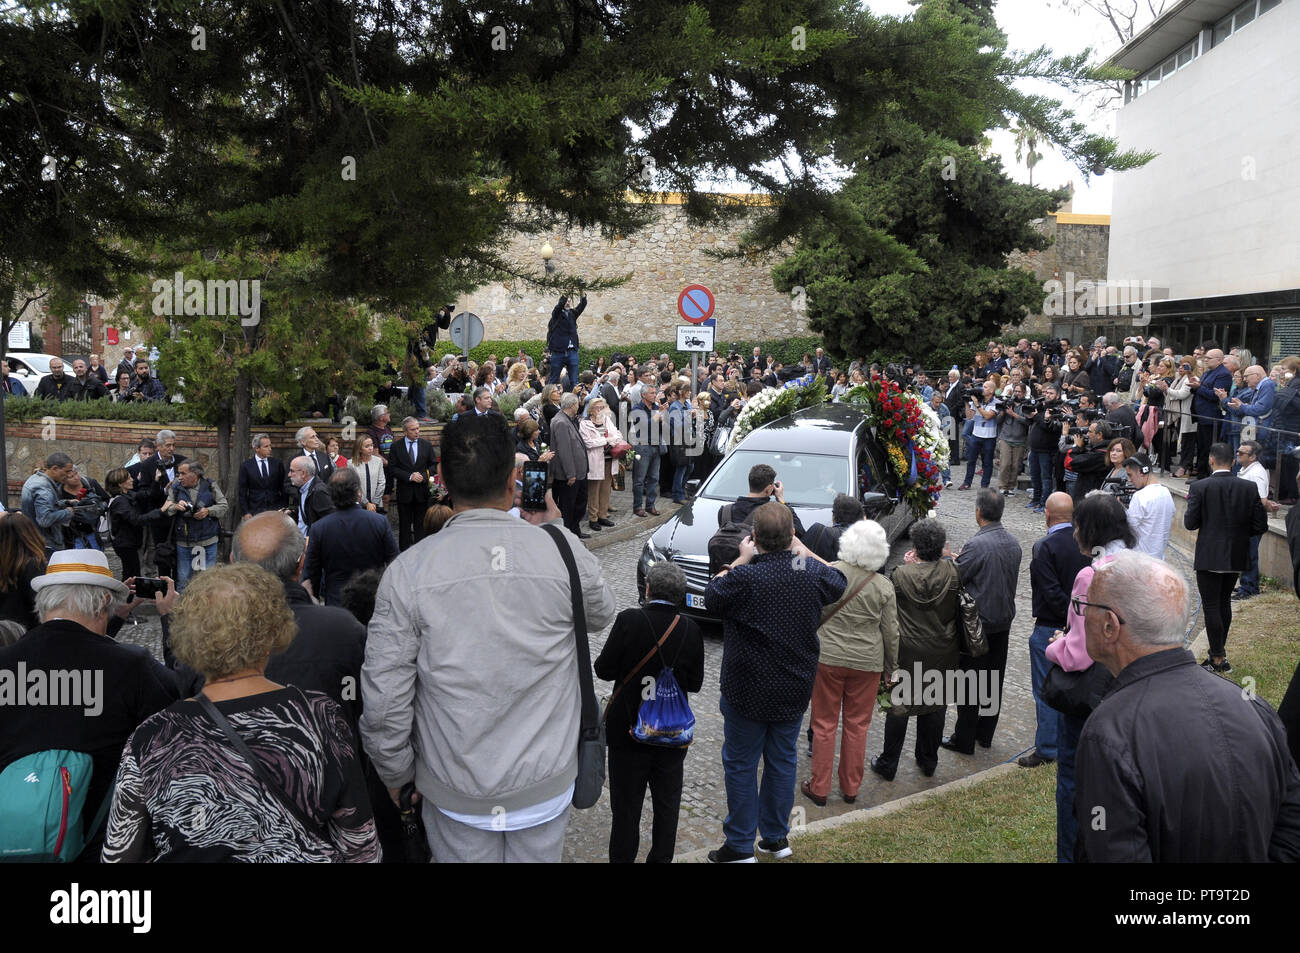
{"x":42,"y":807}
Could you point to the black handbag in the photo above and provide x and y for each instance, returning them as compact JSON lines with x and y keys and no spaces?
{"x":968,"y":621}
{"x":414,"y":845}
{"x":591,"y":734}
{"x":1076,"y":693}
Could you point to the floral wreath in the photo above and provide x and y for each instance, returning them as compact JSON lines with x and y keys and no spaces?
{"x":773,"y":403}
{"x":912,"y":437}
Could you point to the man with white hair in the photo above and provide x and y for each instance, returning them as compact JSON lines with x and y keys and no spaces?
{"x":112,"y":688}
{"x":1123,"y":422}
{"x":569,"y":468}
{"x":1205,"y":406}
{"x":1148,"y":789}
{"x":311,"y":446}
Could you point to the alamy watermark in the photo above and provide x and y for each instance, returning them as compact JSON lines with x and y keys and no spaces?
{"x":179,"y":295}
{"x":1108,"y":298}
{"x":71,"y":688}
{"x":947,"y":687}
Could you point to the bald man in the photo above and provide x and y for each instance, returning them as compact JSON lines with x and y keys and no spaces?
{"x":1206,"y":409}
{"x":1167,"y":728}
{"x":1055,"y":563}
{"x":1255,"y":404}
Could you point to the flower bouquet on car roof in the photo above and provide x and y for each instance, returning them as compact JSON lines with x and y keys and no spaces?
{"x":773,"y":403}
{"x":912,"y":437}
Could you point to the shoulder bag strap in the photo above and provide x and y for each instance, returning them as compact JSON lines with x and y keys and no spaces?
{"x":641,"y":664}
{"x":846,"y":600}
{"x":308,"y":823}
{"x":590,"y":709}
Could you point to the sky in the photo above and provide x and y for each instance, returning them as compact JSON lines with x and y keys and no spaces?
{"x":1028,"y":25}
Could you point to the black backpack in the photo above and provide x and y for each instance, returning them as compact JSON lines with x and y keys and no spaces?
{"x":724,"y":545}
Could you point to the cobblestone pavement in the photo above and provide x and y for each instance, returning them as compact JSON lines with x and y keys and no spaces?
{"x":704,"y":801}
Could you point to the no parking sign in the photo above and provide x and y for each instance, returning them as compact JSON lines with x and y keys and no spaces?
{"x":696,"y":305}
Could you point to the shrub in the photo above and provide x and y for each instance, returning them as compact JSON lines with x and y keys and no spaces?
{"x":31,"y":408}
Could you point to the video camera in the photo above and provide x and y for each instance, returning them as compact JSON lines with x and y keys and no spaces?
{"x":1121,"y":491}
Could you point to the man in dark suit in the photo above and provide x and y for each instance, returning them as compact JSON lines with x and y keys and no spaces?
{"x":155,"y":475}
{"x":311,"y":445}
{"x":127,"y":364}
{"x":412,"y":460}
{"x":348,"y":541}
{"x":262,"y":480}
{"x":822,"y":363}
{"x":1206,"y":408}
{"x":308,"y":498}
{"x":1231,"y":513}
{"x":956,"y":403}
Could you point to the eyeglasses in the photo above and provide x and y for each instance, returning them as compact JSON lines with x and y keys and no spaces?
{"x":1244,"y":453}
{"x":1078,"y":605}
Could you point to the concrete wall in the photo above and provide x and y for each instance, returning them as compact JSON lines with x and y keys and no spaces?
{"x":1218,"y":211}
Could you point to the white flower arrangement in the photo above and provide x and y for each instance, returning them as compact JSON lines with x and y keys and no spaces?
{"x":745,"y":420}
{"x":932,"y":437}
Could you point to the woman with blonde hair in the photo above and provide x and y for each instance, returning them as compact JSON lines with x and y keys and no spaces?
{"x":247,"y":770}
{"x":517,"y":380}
{"x":599,"y":436}
{"x":859,"y":641}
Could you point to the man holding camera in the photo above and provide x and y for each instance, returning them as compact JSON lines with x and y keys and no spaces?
{"x":1087,"y":459}
{"x":1151,"y":510}
{"x":1013,"y":432}
{"x":145,"y":387}
{"x":1043,"y":435}
{"x":1102,"y":367}
{"x":198,"y":504}
{"x":983,"y":437}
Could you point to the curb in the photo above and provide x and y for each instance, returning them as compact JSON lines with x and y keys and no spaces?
{"x":621,"y":534}
{"x":871,"y":813}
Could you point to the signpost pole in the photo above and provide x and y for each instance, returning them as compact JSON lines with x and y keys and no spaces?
{"x":695,"y":377}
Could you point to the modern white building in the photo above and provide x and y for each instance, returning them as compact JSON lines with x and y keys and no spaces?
{"x":1213,"y":222}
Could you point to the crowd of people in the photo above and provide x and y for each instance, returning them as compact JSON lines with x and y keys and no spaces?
{"x":319,"y":698}
{"x":133,"y":381}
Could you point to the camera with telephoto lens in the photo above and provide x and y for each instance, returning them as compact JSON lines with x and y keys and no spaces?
{"x":1078,"y":431}
{"x":1121,"y":491}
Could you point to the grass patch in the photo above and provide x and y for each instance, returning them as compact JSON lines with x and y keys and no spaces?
{"x":1264,"y":643}
{"x":1007,"y":819}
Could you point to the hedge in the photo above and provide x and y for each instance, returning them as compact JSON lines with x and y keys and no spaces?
{"x":19,"y":409}
{"x":785,"y":350}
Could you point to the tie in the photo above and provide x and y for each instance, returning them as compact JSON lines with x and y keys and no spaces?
{"x":410,"y":449}
{"x":264,"y":473}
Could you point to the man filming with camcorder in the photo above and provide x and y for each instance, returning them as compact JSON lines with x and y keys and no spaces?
{"x":1087,"y":458}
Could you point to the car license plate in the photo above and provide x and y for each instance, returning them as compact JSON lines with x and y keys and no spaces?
{"x":693,"y":601}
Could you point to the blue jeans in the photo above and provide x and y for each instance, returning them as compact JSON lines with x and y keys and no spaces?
{"x":967,"y":432}
{"x":981,"y":449}
{"x":185,"y":557}
{"x":560,"y":360}
{"x":416,"y":392}
{"x":1249,"y":581}
{"x":753,"y":808}
{"x":1067,"y":825}
{"x":1041,"y":464}
{"x":679,"y":482}
{"x":645,"y":477}
{"x":1049,"y":719}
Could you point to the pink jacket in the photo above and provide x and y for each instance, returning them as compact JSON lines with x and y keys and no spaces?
{"x":1071,"y":652}
{"x":595,"y":438}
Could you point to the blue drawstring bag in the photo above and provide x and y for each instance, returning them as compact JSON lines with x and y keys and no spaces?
{"x":665,"y":718}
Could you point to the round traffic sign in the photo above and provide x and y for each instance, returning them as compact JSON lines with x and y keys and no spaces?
{"x":695,"y":304}
{"x":466,"y":330}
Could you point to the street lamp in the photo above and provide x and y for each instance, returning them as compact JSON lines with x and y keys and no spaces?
{"x":547,"y":253}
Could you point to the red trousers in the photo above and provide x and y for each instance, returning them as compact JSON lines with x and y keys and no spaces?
{"x":855,"y":692}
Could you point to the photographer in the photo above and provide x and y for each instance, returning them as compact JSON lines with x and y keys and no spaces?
{"x":89,"y":502}
{"x":1013,"y":432}
{"x":145,"y":387}
{"x":1102,"y":367}
{"x":1044,"y":432}
{"x":1151,"y":508}
{"x":984,"y":435}
{"x":1086,"y":458}
{"x":198,"y":504}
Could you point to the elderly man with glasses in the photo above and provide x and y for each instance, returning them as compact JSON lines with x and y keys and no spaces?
{"x":1138,"y":764}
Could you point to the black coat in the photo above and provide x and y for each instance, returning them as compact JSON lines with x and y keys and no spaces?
{"x":635,"y":632}
{"x":325,"y":654}
{"x":318,"y":505}
{"x":343,"y":543}
{"x":127,"y":521}
{"x":257,"y":495}
{"x":1052,"y":569}
{"x":562,"y":330}
{"x":52,"y":388}
{"x":150,"y":492}
{"x":1142,"y":756}
{"x":1229,"y":510}
{"x":426,"y":461}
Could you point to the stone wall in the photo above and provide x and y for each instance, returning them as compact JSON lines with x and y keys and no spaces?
{"x":1080,"y":245}
{"x":662,"y":259}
